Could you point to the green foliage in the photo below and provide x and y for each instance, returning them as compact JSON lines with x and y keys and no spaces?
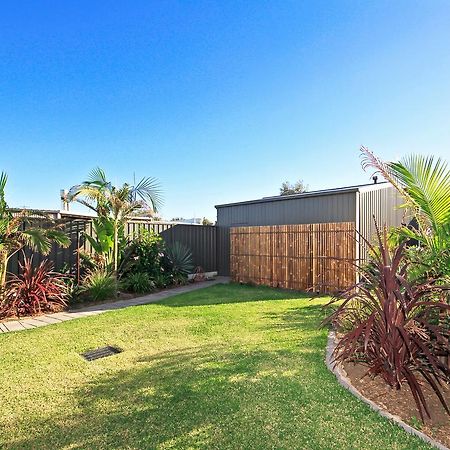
{"x":138,"y":282}
{"x":424,"y":182}
{"x":162,"y":280}
{"x":425,"y":264}
{"x":145,"y":254}
{"x":17,"y":231}
{"x":297,"y":188}
{"x":178,"y":260}
{"x":116,"y":205}
{"x":98,"y":285}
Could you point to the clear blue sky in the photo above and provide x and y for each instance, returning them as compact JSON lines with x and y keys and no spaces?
{"x":220,"y":100}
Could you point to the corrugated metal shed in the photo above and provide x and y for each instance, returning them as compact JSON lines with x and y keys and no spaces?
{"x":357,"y":204}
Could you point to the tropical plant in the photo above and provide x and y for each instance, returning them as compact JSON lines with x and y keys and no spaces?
{"x":138,"y":282}
{"x":98,"y":285}
{"x":36,"y":290}
{"x":116,"y":205}
{"x":392,"y":325}
{"x":178,"y":259}
{"x":144,"y":254}
{"x":18,"y":231}
{"x":424,"y":182}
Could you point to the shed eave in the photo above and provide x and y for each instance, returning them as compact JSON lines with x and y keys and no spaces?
{"x":336,"y":191}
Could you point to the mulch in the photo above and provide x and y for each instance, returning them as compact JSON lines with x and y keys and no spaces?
{"x":401,"y":402}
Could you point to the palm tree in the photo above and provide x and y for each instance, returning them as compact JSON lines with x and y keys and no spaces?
{"x":424,"y":182}
{"x":116,"y":205}
{"x":17,"y":231}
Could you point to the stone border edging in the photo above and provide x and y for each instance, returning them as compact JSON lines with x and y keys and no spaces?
{"x":346,"y":383}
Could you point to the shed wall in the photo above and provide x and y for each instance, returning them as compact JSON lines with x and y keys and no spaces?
{"x":338,"y":207}
{"x":385,"y":206}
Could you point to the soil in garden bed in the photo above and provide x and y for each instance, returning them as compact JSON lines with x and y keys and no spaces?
{"x":401,"y":402}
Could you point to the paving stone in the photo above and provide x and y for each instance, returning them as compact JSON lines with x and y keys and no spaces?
{"x":14,"y":325}
{"x":62,"y":316}
{"x":26,"y":324}
{"x":48,"y":319}
{"x":37,"y":323}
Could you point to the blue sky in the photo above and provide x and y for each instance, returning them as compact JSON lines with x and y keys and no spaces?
{"x":220,"y":100}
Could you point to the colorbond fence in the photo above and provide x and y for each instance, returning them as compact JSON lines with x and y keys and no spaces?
{"x":200,"y":239}
{"x":316,"y":257}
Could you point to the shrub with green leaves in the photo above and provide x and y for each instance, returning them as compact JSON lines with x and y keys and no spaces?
{"x":138,"y":282}
{"x":144,"y":255}
{"x":98,"y":285}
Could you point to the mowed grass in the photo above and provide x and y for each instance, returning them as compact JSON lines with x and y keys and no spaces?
{"x":227,"y":367}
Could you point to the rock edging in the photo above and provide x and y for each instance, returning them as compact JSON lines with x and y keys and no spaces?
{"x":346,"y":383}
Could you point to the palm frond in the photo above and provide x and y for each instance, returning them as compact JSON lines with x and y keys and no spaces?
{"x":3,"y":181}
{"x":37,"y":239}
{"x":149,"y":191}
{"x":97,"y":176}
{"x":427,"y":183}
{"x":59,"y":237}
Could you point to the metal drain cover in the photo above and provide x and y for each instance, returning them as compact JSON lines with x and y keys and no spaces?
{"x":101,"y":352}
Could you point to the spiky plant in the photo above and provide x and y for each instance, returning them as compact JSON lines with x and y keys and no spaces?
{"x":18,"y":231}
{"x":179,"y":259}
{"x":391,"y":325}
{"x":35,"y":290}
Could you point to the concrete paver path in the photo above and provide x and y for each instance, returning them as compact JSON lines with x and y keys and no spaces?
{"x":51,"y":318}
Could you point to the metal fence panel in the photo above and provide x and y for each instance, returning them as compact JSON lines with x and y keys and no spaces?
{"x":201,"y":240}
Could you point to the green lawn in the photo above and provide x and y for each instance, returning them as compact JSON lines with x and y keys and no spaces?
{"x":228,"y":367}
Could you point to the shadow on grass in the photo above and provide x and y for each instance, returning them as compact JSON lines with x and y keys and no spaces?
{"x":203,"y":397}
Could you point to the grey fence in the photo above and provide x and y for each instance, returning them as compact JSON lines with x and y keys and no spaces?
{"x":201,"y":240}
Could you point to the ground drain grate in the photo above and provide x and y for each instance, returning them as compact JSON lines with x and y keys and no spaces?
{"x":101,"y":352}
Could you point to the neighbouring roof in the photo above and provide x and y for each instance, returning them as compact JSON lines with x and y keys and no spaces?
{"x":340,"y":190}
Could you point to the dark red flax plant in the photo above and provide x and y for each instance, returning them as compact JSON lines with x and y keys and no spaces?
{"x":36,"y":290}
{"x":392,"y":325}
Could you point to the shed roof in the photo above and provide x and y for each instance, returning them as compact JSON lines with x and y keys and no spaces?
{"x":340,"y":190}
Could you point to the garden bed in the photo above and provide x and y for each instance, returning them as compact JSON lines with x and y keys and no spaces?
{"x":401,"y":402}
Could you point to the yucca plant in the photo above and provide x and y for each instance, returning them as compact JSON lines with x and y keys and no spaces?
{"x":178,"y":259}
{"x":36,"y":290}
{"x":391,"y":325}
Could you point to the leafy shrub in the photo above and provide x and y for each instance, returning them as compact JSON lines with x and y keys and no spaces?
{"x":426,"y":263}
{"x":393,"y":326}
{"x":178,"y":260}
{"x":36,"y":290}
{"x":162,"y":280}
{"x":143,"y":255}
{"x":138,"y":282}
{"x":98,"y":285}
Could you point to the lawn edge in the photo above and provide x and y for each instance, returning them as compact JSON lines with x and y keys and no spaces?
{"x":344,"y":381}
